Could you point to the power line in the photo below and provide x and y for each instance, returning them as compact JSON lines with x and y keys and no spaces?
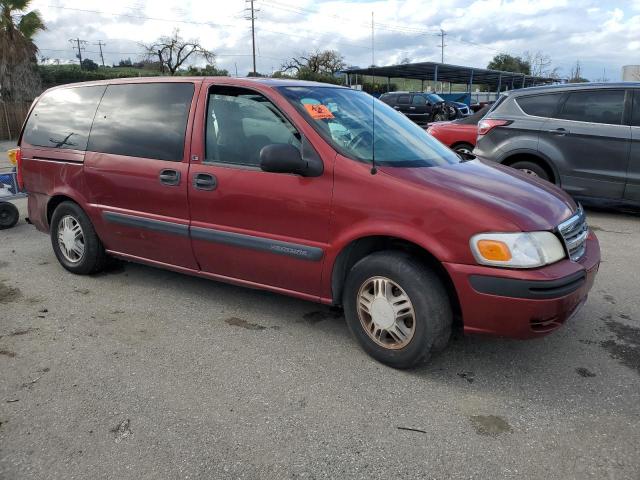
{"x":252,"y":16}
{"x":78,"y":43}
{"x":442,"y":34}
{"x":143,"y":17}
{"x":100,"y":45}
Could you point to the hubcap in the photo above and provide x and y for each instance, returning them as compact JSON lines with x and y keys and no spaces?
{"x":464,"y":150}
{"x":70,"y":239}
{"x":529,"y":172}
{"x":386,"y":313}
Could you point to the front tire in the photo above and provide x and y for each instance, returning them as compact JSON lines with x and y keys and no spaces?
{"x":74,"y":240}
{"x":531,"y":168}
{"x":397,"y":309}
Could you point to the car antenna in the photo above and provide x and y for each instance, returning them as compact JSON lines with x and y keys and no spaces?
{"x":374,"y":170}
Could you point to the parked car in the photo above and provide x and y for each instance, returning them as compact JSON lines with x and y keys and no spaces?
{"x":423,"y":107}
{"x":276,"y":184}
{"x":459,"y":135}
{"x":584,"y":138}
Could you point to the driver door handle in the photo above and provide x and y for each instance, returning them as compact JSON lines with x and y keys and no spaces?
{"x":169,"y":177}
{"x":559,"y":131}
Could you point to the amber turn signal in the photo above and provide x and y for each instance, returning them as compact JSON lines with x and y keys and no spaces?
{"x":494,"y":250}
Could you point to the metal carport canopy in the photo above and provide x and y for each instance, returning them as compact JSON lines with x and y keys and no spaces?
{"x":444,"y":72}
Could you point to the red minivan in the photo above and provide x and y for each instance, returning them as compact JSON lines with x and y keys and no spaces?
{"x":311,"y":190}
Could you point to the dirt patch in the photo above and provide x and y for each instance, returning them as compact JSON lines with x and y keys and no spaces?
{"x":241,"y":322}
{"x":4,"y":264}
{"x":490,"y":425}
{"x":9,"y":294}
{"x":122,"y":430}
{"x":609,"y":298}
{"x":468,"y":376}
{"x":23,"y":331}
{"x":626,"y":347}
{"x":8,"y":353}
{"x":585,"y":372}
{"x":320,"y":315}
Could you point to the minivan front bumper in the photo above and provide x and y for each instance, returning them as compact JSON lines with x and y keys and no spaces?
{"x":524,"y":303}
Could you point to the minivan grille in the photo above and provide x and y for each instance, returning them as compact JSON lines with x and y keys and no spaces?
{"x":574,"y":234}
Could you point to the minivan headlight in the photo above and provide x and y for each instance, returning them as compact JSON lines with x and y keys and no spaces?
{"x":517,"y":250}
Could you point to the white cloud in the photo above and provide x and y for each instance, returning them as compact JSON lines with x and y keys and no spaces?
{"x":600,"y":35}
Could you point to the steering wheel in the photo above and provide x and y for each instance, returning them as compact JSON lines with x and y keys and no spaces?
{"x":360,"y":138}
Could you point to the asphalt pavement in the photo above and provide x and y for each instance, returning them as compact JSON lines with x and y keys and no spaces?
{"x":140,"y":373}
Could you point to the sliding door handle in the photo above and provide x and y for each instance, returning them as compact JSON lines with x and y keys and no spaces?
{"x":204,"y":181}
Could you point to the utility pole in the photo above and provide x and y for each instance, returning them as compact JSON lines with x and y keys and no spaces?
{"x":442,"y":34}
{"x":77,"y":45}
{"x":100,"y":45}
{"x":251,"y":15}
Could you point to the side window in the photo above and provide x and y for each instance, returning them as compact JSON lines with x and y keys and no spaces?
{"x":240,"y":122}
{"x":635,"y":112}
{"x":404,"y":99}
{"x":419,"y":101}
{"x":145,"y":120}
{"x":597,"y":106}
{"x":540,"y":105}
{"x":62,"y":118}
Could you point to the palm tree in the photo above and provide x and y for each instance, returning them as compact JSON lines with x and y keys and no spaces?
{"x":19,"y":78}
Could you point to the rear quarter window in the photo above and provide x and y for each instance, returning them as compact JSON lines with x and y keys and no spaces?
{"x":62,"y":118}
{"x":146,"y":120}
{"x":545,"y":105}
{"x":635,"y":113}
{"x":595,"y":106}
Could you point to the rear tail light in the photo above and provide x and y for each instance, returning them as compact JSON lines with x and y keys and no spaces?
{"x":15,"y":157}
{"x":485,"y":126}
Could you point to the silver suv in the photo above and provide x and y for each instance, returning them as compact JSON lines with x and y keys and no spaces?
{"x":584,"y":138}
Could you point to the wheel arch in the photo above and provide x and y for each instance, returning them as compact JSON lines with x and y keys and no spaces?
{"x":535,"y":157}
{"x":56,"y":200}
{"x":359,"y":248}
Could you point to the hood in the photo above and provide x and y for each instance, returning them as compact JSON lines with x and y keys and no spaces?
{"x":528,"y":203}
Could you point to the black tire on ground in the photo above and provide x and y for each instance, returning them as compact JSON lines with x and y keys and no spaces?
{"x":94,"y":257}
{"x":433,"y":316}
{"x":9,"y":215}
{"x":531,"y":168}
{"x":463,"y":148}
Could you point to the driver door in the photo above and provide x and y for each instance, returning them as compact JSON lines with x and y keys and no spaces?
{"x":260,"y":228}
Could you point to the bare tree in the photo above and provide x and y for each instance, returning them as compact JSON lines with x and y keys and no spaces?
{"x":540,"y":64}
{"x":323,"y":62}
{"x":172,"y":51}
{"x":576,"y":74}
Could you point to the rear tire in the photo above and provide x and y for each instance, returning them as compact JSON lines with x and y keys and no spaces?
{"x":9,"y":215}
{"x":464,"y":148}
{"x":74,"y":240}
{"x":531,"y":168}
{"x":423,"y":324}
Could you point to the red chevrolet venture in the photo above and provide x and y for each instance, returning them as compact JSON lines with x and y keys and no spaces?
{"x":306,"y":189}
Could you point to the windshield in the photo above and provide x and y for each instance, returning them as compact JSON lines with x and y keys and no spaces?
{"x":434,"y":98}
{"x":344,"y":118}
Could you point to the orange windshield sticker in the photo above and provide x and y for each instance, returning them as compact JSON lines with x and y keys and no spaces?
{"x":318,"y":112}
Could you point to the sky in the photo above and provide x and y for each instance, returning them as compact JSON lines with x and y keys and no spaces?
{"x":603,"y":36}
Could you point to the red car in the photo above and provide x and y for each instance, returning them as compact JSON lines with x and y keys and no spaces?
{"x":286,"y":186}
{"x":459,"y":135}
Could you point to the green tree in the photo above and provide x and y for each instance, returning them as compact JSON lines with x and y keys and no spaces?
{"x":509,"y":63}
{"x":88,"y":64}
{"x":19,"y":78}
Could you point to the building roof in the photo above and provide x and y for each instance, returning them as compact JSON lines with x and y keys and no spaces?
{"x":453,"y":74}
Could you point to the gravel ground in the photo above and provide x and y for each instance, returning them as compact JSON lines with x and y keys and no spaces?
{"x":146,"y":374}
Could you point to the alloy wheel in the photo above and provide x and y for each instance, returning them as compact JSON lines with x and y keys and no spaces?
{"x":386,"y":313}
{"x":71,"y":239}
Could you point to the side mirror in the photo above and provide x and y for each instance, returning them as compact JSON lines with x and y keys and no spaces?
{"x":285,"y":158}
